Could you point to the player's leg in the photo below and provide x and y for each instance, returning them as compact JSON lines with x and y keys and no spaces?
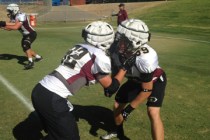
{"x":26,"y":46}
{"x":118,"y":131}
{"x":157,"y":128}
{"x":127,"y":92}
{"x":55,"y":113}
{"x":118,"y":107}
{"x":154,"y":104}
{"x":33,"y":36}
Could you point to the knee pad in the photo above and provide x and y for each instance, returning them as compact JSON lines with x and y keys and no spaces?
{"x":26,"y":45}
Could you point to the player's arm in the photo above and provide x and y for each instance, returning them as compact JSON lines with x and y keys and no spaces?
{"x":13,"y":26}
{"x":112,"y":84}
{"x":146,"y":91}
{"x":107,"y":80}
{"x":114,"y":14}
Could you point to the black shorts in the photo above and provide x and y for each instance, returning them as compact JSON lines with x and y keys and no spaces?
{"x":54,"y":113}
{"x":129,"y":91}
{"x":27,"y":40}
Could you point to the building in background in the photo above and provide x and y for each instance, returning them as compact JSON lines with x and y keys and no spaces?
{"x":77,"y":2}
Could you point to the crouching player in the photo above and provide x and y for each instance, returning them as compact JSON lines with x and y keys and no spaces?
{"x":19,"y":21}
{"x":146,"y":80}
{"x":84,"y":64}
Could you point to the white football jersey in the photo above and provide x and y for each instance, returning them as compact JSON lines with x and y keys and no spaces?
{"x":146,"y":62}
{"x":79,"y":67}
{"x":26,"y":27}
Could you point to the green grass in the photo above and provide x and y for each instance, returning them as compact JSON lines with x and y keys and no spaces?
{"x":189,"y":17}
{"x":186,"y":108}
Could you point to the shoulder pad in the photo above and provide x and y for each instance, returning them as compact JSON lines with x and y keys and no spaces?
{"x":147,"y":62}
{"x":21,"y":17}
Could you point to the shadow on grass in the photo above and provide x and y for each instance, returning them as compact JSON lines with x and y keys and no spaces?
{"x":98,"y":117}
{"x":21,"y":59}
{"x":29,"y":129}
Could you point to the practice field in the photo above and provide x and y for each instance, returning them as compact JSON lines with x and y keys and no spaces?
{"x":186,"y":108}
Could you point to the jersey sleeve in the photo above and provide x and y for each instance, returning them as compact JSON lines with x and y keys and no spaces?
{"x":148,"y":62}
{"x":21,"y":17}
{"x":102,"y":65}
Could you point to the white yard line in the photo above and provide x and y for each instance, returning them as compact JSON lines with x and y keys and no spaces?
{"x":17,"y":93}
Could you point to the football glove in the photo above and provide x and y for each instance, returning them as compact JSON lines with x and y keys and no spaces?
{"x":129,"y":62}
{"x":2,"y":23}
{"x":126,"y":111}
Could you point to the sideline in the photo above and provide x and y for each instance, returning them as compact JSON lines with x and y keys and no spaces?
{"x":17,"y":93}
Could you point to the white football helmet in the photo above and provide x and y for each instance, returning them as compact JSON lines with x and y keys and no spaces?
{"x":136,"y":31}
{"x":99,"y":34}
{"x":12,"y":9}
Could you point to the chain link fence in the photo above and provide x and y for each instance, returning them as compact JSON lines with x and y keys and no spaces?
{"x":38,"y":7}
{"x":63,"y":12}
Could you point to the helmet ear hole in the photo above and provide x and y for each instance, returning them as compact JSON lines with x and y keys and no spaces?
{"x":103,"y":45}
{"x":84,"y":34}
{"x":149,"y":37}
{"x":138,"y":43}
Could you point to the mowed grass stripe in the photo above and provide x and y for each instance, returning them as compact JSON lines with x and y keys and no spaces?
{"x":154,"y":35}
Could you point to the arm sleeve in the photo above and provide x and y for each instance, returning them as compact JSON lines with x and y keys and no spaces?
{"x":102,"y":65}
{"x":21,"y":18}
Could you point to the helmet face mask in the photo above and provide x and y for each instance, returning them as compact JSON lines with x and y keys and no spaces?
{"x":10,"y":14}
{"x":125,"y":46}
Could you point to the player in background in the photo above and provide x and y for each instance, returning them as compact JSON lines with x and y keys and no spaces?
{"x":19,"y":21}
{"x":146,"y":79}
{"x":122,"y":14}
{"x":83,"y":65}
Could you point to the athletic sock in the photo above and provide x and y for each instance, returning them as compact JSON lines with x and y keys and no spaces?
{"x":120,"y":131}
{"x":30,"y":59}
{"x":38,"y":56}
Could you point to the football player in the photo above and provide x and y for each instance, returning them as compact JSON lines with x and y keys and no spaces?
{"x":122,"y":14}
{"x":19,"y":21}
{"x":146,"y":79}
{"x":83,"y":65}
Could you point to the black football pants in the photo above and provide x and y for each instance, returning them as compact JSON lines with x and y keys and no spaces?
{"x":54,"y":113}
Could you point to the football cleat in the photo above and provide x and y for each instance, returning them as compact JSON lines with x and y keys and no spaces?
{"x":30,"y":65}
{"x":109,"y":136}
{"x":38,"y":59}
